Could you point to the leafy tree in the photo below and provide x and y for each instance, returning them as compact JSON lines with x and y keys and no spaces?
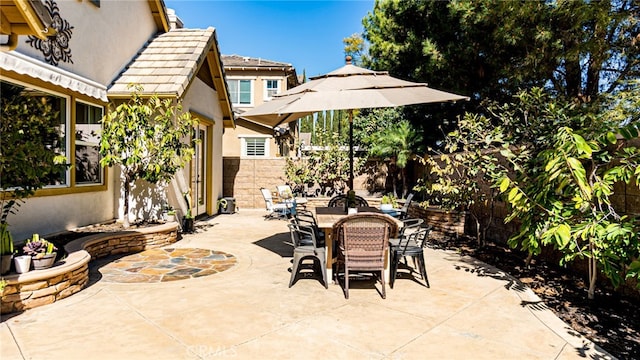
{"x":491,"y":50}
{"x":488,"y":48}
{"x":146,"y":139}
{"x":354,"y":46}
{"x":29,"y":125}
{"x":399,"y":142}
{"x":328,"y":168}
{"x":458,"y":175}
{"x":370,"y":121}
{"x":562,"y":192}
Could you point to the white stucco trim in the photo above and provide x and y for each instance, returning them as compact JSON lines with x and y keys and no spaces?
{"x":14,"y":61}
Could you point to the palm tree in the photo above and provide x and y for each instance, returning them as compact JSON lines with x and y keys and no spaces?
{"x":399,"y":141}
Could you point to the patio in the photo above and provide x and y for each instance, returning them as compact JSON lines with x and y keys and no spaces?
{"x":248,"y":311}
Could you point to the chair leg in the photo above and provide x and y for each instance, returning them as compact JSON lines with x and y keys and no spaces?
{"x":323,"y":268}
{"x":384,"y":294}
{"x":346,"y":282}
{"x":423,"y":269}
{"x":394,"y":269}
{"x":294,"y":269}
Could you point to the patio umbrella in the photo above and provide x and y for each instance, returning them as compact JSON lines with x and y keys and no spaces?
{"x":347,"y":88}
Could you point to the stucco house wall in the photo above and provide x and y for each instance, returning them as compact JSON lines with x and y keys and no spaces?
{"x":102,"y":43}
{"x":104,"y":39}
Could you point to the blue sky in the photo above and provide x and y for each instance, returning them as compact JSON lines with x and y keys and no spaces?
{"x":306,"y":34}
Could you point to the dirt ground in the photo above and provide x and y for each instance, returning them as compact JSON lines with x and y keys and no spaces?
{"x":610,"y":320}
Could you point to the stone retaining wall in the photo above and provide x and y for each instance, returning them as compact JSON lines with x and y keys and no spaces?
{"x":71,"y":274}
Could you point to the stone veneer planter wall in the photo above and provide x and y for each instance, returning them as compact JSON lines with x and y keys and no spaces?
{"x":71,"y":274}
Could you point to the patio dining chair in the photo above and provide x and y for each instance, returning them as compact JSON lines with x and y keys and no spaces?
{"x":340,"y":200}
{"x":304,"y":251}
{"x":305,"y":217}
{"x":409,"y":226}
{"x":402,"y":213}
{"x":279,"y":210}
{"x":411,"y":246}
{"x":362,"y":241}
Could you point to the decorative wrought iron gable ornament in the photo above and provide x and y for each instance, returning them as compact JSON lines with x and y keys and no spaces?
{"x":56,"y":47}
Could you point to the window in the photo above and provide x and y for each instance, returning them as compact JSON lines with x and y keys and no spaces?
{"x":240,"y":92}
{"x":88,"y":129}
{"x":272,"y":88}
{"x":255,"y":146}
{"x":52,"y":114}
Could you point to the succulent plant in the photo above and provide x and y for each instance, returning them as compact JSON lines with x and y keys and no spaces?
{"x":38,"y":247}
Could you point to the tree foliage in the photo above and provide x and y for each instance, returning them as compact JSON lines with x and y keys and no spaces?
{"x":562,"y":191}
{"x":458,"y":174}
{"x":31,"y":146}
{"x":148,"y":139}
{"x":400,"y":142}
{"x":327,"y":168}
{"x":493,"y":49}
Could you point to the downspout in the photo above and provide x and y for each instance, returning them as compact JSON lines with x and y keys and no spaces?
{"x":11,"y":44}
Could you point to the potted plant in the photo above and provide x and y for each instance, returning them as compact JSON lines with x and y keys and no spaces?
{"x":350,"y":204}
{"x":171,"y":215}
{"x":22,"y":263}
{"x":6,"y":248}
{"x":42,"y":252}
{"x":187,"y":222}
{"x":187,"y":219}
{"x":388,"y":202}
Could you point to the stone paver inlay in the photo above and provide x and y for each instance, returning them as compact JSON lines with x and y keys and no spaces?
{"x":159,"y":265}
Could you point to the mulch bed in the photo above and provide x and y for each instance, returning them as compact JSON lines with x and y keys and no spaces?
{"x":611,"y":320}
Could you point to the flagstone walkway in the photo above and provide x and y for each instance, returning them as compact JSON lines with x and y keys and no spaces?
{"x":160,"y":265}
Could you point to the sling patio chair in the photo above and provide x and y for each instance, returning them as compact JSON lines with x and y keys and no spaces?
{"x":303,"y":250}
{"x":411,"y":246}
{"x":401,"y":213}
{"x":305,"y":217}
{"x":362,"y":243}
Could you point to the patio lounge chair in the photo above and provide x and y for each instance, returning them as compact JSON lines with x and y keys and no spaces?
{"x":285,"y":193}
{"x":280,"y":210}
{"x":363,"y":240}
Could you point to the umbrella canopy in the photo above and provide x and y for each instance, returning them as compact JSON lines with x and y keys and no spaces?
{"x":349,"y":87}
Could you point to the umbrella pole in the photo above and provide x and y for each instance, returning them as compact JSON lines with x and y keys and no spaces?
{"x":350,"y":149}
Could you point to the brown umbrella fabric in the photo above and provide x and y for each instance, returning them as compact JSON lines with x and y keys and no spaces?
{"x":349,"y":87}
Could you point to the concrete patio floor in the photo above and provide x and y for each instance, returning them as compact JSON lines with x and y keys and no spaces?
{"x":248,"y":312}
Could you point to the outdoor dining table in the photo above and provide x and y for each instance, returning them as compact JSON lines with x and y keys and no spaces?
{"x":328,"y":216}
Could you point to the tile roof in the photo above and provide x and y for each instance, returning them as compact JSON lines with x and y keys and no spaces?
{"x":168,"y":64}
{"x":246,"y":61}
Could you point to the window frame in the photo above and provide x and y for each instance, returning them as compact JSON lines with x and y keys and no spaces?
{"x":252,"y":90}
{"x":244,"y":144}
{"x":278,"y":89}
{"x":70,"y":123}
{"x":75,"y":122}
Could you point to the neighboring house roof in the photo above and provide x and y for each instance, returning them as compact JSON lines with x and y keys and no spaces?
{"x":24,"y":17}
{"x":168,"y":64}
{"x":238,"y":62}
